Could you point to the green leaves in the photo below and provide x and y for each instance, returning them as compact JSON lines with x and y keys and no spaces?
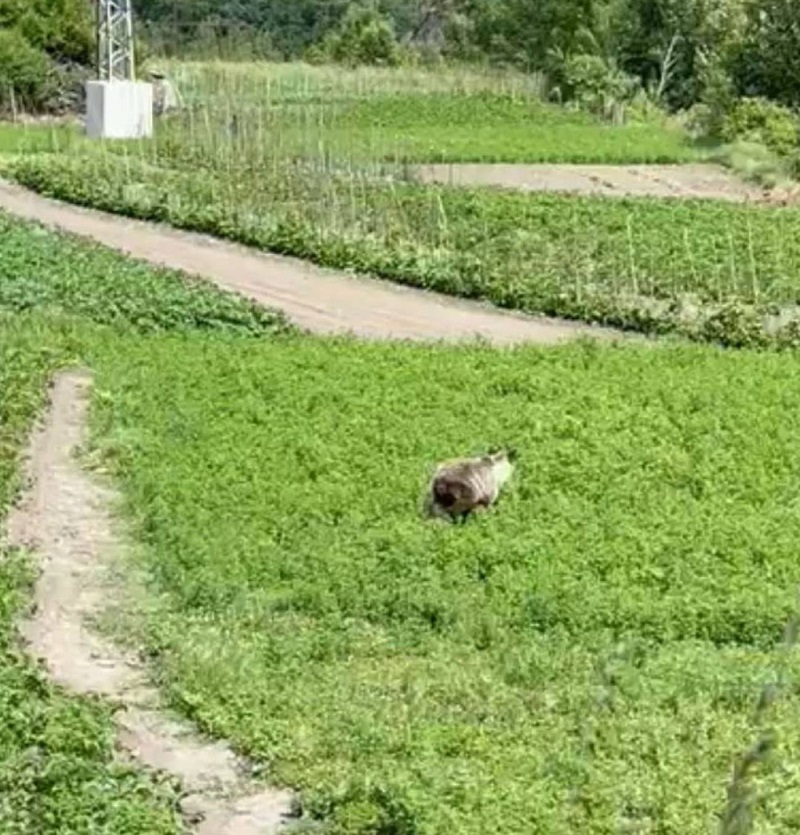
{"x":589,"y":650}
{"x":43,"y":271}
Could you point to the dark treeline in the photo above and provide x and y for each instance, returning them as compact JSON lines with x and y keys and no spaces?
{"x":680,"y":50}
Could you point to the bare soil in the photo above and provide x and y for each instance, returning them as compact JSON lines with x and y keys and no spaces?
{"x":322,"y":301}
{"x":65,"y":519}
{"x":698,"y":181}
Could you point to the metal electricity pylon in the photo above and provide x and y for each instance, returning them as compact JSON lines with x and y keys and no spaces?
{"x":115,"y":40}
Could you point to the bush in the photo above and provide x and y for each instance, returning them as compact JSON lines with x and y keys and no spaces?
{"x":706,"y":119}
{"x":364,"y":37}
{"x":594,"y":85}
{"x":61,"y":28}
{"x":759,"y":120}
{"x":27,"y":76}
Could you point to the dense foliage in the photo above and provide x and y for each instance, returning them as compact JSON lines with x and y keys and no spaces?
{"x":43,"y":45}
{"x":677,"y":49}
{"x":27,"y":75}
{"x":60,"y":28}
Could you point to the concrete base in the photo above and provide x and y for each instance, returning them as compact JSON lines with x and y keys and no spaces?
{"x":119,"y":109}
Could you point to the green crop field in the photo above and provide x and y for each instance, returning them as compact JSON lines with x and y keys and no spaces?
{"x":412,"y":115}
{"x":295,"y":159}
{"x":360,"y":117}
{"x":707,"y":269}
{"x":491,"y":128}
{"x":599,"y":653}
{"x":588,"y":657}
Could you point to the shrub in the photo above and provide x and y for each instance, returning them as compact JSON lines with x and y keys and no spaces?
{"x":760,"y":120}
{"x":61,"y":28}
{"x":44,"y":47}
{"x":594,"y":85}
{"x":27,"y":76}
{"x":364,"y":37}
{"x":706,"y":118}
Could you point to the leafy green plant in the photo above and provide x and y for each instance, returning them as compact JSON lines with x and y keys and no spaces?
{"x":594,"y":85}
{"x":57,"y":273}
{"x":27,"y":76}
{"x":362,"y":114}
{"x":760,"y":120}
{"x":495,"y":128}
{"x":364,"y":37}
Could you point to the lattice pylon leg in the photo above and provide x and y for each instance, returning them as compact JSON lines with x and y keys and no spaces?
{"x":115,"y":40}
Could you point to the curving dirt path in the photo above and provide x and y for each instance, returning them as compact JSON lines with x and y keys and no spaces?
{"x":701,"y":181}
{"x":64,"y":517}
{"x":323,"y":301}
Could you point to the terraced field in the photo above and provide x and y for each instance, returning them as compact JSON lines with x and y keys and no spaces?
{"x":593,"y":648}
{"x":612,"y":648}
{"x":300,"y":167}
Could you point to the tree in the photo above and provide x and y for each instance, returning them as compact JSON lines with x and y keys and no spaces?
{"x":768,"y":62}
{"x":61,"y":28}
{"x":679,"y":44}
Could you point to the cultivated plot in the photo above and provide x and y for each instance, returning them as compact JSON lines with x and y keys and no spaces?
{"x":590,"y":651}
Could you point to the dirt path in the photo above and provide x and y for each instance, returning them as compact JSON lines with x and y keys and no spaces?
{"x":320,"y":300}
{"x":699,"y":180}
{"x":65,"y":519}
